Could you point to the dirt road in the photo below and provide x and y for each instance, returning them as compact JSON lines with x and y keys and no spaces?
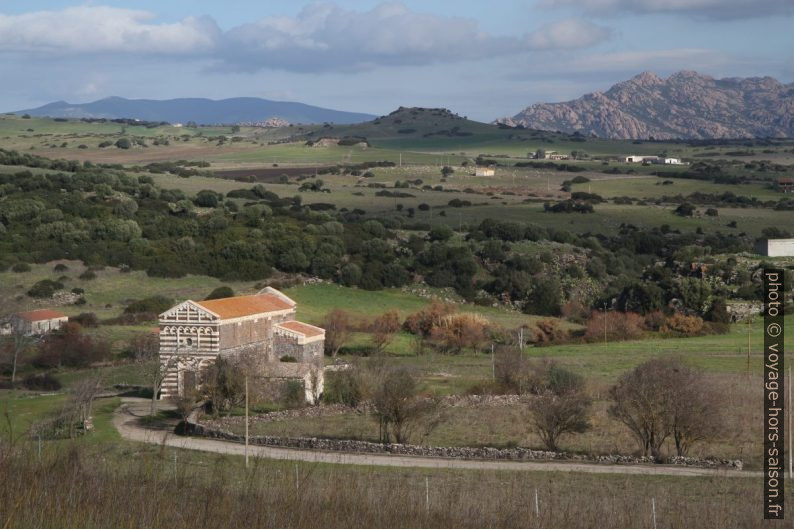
{"x":126,"y":421}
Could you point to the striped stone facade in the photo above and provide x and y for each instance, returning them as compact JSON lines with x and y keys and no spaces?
{"x":193,"y":334}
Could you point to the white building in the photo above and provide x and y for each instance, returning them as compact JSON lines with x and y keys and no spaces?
{"x":635,"y":158}
{"x":484,"y":171}
{"x":39,"y":321}
{"x":776,"y":247}
{"x":672,"y":161}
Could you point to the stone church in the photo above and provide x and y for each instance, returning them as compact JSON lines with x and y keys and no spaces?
{"x":260,"y":328}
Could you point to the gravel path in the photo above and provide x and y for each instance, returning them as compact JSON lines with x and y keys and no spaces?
{"x":125,"y":419}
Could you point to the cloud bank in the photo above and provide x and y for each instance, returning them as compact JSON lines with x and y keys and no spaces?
{"x":705,"y":9}
{"x":322,"y":37}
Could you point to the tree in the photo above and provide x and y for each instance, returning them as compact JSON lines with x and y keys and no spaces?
{"x":383,"y":329}
{"x":662,"y":398}
{"x":555,"y":415}
{"x":14,"y":348}
{"x":397,"y":405}
{"x":223,"y":385}
{"x":447,"y":171}
{"x":338,"y":329}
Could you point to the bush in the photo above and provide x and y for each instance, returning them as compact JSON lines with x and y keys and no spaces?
{"x":293,"y":394}
{"x":123,"y":143}
{"x":220,"y":293}
{"x":619,"y":326}
{"x":151,"y":305}
{"x":88,"y":275}
{"x":86,"y":319}
{"x":683,"y":324}
{"x":60,"y":268}
{"x":344,"y":387}
{"x":20,"y":268}
{"x":69,"y":347}
{"x":41,"y":382}
{"x":44,"y":288}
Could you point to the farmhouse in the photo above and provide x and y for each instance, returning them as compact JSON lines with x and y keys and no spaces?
{"x":785,"y":185}
{"x":38,"y":322}
{"x":259,"y":330}
{"x":484,"y":171}
{"x":634,"y":158}
{"x":776,"y":247}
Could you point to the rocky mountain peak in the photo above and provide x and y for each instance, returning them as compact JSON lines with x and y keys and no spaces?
{"x":685,"y":105}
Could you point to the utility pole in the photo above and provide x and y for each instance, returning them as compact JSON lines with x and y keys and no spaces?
{"x":789,"y":433}
{"x":246,"y":421}
{"x":493,"y":364}
{"x":605,"y":325}
{"x":749,"y":328}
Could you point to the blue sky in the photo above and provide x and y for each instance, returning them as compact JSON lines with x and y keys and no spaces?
{"x":480,"y":59}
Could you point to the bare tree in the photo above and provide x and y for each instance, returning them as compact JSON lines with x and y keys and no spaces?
{"x":397,"y":404}
{"x":14,"y":348}
{"x":662,"y":398}
{"x":556,"y":415}
{"x":383,"y":329}
{"x":338,"y":329}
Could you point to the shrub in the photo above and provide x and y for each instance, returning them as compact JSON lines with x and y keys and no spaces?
{"x":683,"y":324}
{"x":619,"y":326}
{"x":44,"y":288}
{"x":60,"y":268}
{"x":20,"y":268}
{"x":549,"y":331}
{"x":69,"y":347}
{"x":86,"y":319}
{"x":151,"y":305}
{"x":344,"y":387}
{"x":41,"y":382}
{"x":88,"y":275}
{"x":456,"y":332}
{"x":293,"y":394}
{"x":123,"y":143}
{"x":221,"y":292}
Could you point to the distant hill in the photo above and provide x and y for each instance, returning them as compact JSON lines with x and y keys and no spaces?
{"x":685,"y":105}
{"x":428,"y":128}
{"x":202,"y":111}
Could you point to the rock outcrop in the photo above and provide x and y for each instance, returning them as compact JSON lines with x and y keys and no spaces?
{"x":685,"y":105}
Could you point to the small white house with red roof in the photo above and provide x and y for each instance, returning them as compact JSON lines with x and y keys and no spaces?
{"x":37,"y":322}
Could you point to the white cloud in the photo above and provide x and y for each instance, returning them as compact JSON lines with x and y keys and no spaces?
{"x":99,"y":29}
{"x":567,"y":34}
{"x":655,"y":60}
{"x":321,"y":37}
{"x":712,"y":9}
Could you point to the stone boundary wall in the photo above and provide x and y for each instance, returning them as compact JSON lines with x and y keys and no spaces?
{"x":504,"y":454}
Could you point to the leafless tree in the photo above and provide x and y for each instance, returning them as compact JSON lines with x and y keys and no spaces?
{"x":556,"y":415}
{"x":383,"y":329}
{"x":14,"y":348}
{"x":398,"y":406}
{"x":661,"y":398}
{"x":338,"y":329}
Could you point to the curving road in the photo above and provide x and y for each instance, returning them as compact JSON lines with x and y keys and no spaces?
{"x":125,"y":419}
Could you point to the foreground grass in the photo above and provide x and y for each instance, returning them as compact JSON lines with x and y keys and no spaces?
{"x":126,"y":487}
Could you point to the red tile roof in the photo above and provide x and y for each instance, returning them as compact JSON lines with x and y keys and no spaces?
{"x":302,"y":328}
{"x":41,"y":315}
{"x":237,"y":307}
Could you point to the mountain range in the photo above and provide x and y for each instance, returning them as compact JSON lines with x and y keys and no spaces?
{"x":685,"y":105}
{"x":199,"y":110}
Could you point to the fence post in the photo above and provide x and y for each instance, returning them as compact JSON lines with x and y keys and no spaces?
{"x":427,"y":494}
{"x":537,"y":504}
{"x":653,"y":510}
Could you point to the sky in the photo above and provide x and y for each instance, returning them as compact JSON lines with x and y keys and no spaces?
{"x":481,"y":59}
